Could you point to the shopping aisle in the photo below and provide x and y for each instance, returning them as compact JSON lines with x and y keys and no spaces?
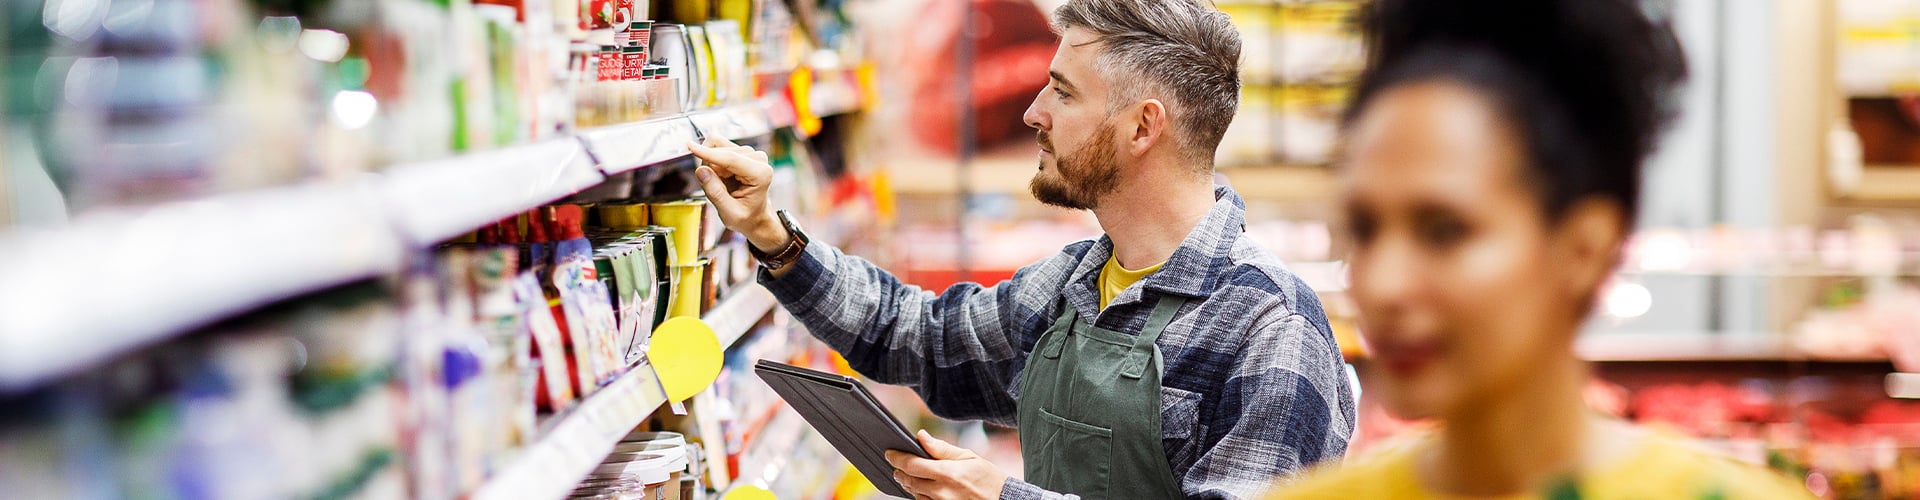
{"x":401,"y":249}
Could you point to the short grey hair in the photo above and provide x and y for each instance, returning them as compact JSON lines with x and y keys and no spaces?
{"x":1183,"y":51}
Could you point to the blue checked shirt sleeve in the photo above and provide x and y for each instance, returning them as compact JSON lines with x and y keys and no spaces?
{"x":1286,"y":407}
{"x":1016,"y":489}
{"x":959,"y":350}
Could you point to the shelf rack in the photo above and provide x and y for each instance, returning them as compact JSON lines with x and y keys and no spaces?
{"x":113,"y":282}
{"x":1700,"y":347}
{"x":578,"y":440}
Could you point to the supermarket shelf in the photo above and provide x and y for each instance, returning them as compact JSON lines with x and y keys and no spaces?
{"x":1777,"y":273}
{"x":734,"y":122}
{"x":438,"y":200}
{"x":578,"y":441}
{"x":584,"y":437}
{"x":1292,"y":183}
{"x":733,"y":318}
{"x":622,"y":148}
{"x":1698,"y":347}
{"x":179,"y":266}
{"x":770,"y":449}
{"x":1009,"y":174}
{"x":110,"y":283}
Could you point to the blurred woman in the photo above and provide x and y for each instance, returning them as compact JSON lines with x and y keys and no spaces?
{"x":1492,"y":166}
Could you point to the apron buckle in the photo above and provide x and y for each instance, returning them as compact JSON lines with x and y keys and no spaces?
{"x":1136,"y":365}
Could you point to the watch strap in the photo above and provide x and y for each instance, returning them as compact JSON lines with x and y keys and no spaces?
{"x":796,"y":245}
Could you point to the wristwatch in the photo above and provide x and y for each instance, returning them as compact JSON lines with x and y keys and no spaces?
{"x":795,"y":246}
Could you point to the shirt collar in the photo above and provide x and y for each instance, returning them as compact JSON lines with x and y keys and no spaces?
{"x":1192,"y":270}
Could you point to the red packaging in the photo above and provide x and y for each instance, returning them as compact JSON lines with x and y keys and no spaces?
{"x":612,"y":65}
{"x":633,"y":63}
{"x":595,"y":13}
{"x":590,"y":12}
{"x":640,"y":33}
{"x":622,"y":13}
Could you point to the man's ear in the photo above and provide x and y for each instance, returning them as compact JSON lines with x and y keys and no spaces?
{"x":1150,"y":124}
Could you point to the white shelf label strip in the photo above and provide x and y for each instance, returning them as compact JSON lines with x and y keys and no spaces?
{"x":628,"y":147}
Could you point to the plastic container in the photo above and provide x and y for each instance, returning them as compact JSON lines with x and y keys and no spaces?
{"x":689,"y":290}
{"x":686,"y":217}
{"x":681,"y":488}
{"x":660,"y":470}
{"x":648,"y":437}
{"x":623,"y":216}
{"x":621,"y":487}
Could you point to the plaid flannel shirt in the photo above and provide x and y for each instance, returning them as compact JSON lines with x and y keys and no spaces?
{"x":1254,"y":389}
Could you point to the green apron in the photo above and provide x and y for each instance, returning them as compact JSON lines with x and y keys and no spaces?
{"x":1089,"y":410}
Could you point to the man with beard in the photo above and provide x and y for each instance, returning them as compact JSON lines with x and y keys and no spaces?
{"x":1169,"y":358}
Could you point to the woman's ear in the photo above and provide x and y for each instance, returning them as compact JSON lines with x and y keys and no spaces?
{"x":1590,"y":235}
{"x":1149,"y":127}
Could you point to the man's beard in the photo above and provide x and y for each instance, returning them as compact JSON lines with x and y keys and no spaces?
{"x":1084,"y":175}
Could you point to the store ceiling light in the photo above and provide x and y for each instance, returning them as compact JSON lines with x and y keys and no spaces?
{"x":323,"y":45}
{"x":1664,"y":250}
{"x":353,"y":109}
{"x":1628,"y":300}
{"x":1903,"y":385}
{"x":77,"y":20}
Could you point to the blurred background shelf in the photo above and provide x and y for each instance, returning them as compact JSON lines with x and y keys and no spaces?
{"x":1702,"y":347}
{"x":732,"y":318}
{"x":1008,"y":172}
{"x":176,"y":267}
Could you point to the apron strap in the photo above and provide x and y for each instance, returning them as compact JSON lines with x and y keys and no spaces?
{"x":1143,"y":344}
{"x":1065,"y":324}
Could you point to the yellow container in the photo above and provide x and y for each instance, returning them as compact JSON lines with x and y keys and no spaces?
{"x":685,"y":217}
{"x":625,"y":216}
{"x":689,"y":290}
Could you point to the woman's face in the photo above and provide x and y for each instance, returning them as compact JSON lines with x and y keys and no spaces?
{"x":1462,"y":282}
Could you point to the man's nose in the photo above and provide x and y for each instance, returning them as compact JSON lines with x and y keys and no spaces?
{"x":1034,"y":117}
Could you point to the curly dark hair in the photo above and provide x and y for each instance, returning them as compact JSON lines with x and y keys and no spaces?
{"x":1587,"y":83}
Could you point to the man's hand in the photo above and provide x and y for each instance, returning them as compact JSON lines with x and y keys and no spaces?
{"x":735,"y":178}
{"x":953,"y":473}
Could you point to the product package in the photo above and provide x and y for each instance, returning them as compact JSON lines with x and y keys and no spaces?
{"x":583,"y":298}
{"x":555,"y":386}
{"x":687,"y":218}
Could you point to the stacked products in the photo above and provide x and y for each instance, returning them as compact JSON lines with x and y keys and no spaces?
{"x":147,"y":102}
{"x":422,"y":386}
{"x":1301,"y":58}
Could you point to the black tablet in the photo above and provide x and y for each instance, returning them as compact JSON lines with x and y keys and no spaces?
{"x":850,"y":418}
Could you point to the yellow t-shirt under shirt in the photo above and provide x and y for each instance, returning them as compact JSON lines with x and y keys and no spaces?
{"x":1661,"y":467}
{"x":1115,"y":279}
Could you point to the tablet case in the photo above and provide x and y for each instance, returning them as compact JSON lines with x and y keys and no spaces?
{"x":850,"y":418}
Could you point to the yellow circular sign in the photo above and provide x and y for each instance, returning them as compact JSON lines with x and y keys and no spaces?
{"x":749,"y":493}
{"x":686,"y":354}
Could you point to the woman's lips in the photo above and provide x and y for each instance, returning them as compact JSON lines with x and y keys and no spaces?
{"x":1407,"y":358}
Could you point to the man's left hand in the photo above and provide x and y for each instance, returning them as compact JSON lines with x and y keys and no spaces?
{"x":953,"y":473}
